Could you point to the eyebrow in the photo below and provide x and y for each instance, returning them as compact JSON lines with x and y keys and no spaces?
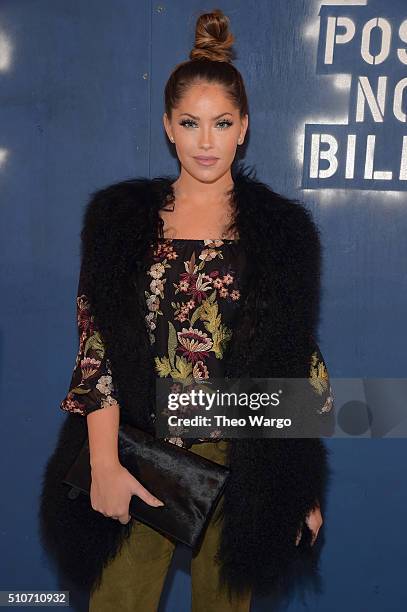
{"x":213,"y":118}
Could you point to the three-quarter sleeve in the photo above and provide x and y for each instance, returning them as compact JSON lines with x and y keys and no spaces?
{"x":319,"y":380}
{"x":91,"y":386}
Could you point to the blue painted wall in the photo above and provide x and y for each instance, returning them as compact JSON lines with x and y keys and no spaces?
{"x":81,"y":106}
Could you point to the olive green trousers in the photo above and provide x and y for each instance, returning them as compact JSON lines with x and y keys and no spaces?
{"x":134,"y":579}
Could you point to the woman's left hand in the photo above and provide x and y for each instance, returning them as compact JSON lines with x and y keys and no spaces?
{"x":314,"y":521}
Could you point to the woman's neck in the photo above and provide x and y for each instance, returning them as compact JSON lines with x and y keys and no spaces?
{"x":191,"y":192}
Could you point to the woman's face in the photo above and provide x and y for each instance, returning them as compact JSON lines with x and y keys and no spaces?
{"x":206,"y":124}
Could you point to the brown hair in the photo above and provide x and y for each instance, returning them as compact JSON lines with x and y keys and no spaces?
{"x":210,"y":61}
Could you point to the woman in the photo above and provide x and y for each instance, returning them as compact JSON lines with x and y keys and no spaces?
{"x":211,"y":274}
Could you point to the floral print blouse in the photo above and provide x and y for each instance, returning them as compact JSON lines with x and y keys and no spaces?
{"x":192,"y":293}
{"x":192,"y":289}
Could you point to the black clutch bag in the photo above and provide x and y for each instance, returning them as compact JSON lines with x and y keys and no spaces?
{"x":189,"y":485}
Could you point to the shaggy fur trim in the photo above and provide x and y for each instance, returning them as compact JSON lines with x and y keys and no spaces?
{"x":274,"y":482}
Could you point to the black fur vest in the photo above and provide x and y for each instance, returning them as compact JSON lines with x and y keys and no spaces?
{"x":274,"y":482}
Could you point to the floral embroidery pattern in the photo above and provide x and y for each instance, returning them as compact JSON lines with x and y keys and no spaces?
{"x":91,"y":385}
{"x":189,"y":329}
{"x":204,"y":290}
{"x":319,"y":379}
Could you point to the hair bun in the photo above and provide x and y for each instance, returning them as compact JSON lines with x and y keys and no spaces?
{"x":213,"y":40}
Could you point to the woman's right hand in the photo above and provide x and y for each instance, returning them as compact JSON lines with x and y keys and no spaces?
{"x":112,"y":487}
